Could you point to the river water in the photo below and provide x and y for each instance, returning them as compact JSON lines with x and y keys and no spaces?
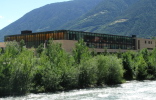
{"x":132,"y":90}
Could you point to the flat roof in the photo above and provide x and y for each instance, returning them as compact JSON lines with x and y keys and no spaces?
{"x":67,"y":31}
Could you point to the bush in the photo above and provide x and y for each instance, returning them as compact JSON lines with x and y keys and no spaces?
{"x":54,"y":69}
{"x":22,"y":72}
{"x":57,"y":70}
{"x":128,"y":65}
{"x":6,"y":59}
{"x":152,"y":65}
{"x":81,"y":52}
{"x":110,"y":70}
{"x":141,"y":68}
{"x":88,"y":73}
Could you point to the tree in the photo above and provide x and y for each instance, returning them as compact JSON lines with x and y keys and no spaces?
{"x":21,"y":44}
{"x":56,"y":68}
{"x":40,"y":49}
{"x":6,"y":61}
{"x":110,"y":69}
{"x":128,"y":65}
{"x":141,"y":68}
{"x":152,"y":65}
{"x":81,"y":51}
{"x":22,"y":72}
{"x":88,"y":73}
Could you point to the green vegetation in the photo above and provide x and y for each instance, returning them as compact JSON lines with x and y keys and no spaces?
{"x":50,"y":17}
{"x":52,"y":69}
{"x":120,"y":17}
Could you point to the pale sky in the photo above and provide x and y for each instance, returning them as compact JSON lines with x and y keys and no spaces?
{"x":11,"y":10}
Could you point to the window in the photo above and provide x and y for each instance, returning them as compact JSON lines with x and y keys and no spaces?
{"x":148,"y":42}
{"x":145,"y":42}
{"x":150,"y":48}
{"x":138,"y":44}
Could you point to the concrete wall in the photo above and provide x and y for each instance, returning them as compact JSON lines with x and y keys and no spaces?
{"x":150,"y":44}
{"x":68,"y":45}
{"x":145,"y":43}
{"x":2,"y":44}
{"x":112,"y":50}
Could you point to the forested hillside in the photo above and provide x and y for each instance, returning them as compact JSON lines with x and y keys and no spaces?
{"x":122,"y":17}
{"x":100,"y":16}
{"x":139,"y":19}
{"x":49,"y":17}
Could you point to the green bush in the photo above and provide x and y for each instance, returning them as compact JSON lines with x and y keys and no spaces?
{"x":88,"y":73}
{"x":81,"y":52}
{"x":57,"y":69}
{"x":22,"y":71}
{"x":128,"y":65}
{"x":141,"y":68}
{"x":152,"y":65}
{"x":6,"y":60}
{"x":110,"y":70}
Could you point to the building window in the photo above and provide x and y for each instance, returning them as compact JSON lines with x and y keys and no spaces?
{"x":138,"y":44}
{"x":148,"y":42}
{"x":145,"y":42}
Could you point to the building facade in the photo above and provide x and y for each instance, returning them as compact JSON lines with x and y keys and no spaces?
{"x":68,"y":38}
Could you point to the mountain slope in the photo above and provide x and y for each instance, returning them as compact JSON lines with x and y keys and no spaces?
{"x":122,"y":17}
{"x":139,"y":19}
{"x":101,"y":15}
{"x":50,"y":17}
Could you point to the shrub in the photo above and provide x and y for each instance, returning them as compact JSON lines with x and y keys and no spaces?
{"x":81,"y":52}
{"x":110,"y":69}
{"x":22,"y":72}
{"x":141,"y":68}
{"x":88,"y":73}
{"x":128,"y":65}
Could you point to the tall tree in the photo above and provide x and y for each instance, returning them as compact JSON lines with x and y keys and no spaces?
{"x":81,"y":51}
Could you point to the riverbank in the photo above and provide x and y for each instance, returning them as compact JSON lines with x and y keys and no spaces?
{"x":135,"y":90}
{"x":52,"y":69}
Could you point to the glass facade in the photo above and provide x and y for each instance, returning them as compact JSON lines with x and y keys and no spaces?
{"x":93,"y":40}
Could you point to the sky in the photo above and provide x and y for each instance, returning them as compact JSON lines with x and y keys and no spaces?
{"x":12,"y":10}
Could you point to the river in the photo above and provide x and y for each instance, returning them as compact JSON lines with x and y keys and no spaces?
{"x":132,"y":90}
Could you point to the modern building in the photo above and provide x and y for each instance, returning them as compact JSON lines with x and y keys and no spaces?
{"x":98,"y":41}
{"x":2,"y":45}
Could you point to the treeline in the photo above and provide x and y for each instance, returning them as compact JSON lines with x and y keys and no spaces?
{"x":53,"y":69}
